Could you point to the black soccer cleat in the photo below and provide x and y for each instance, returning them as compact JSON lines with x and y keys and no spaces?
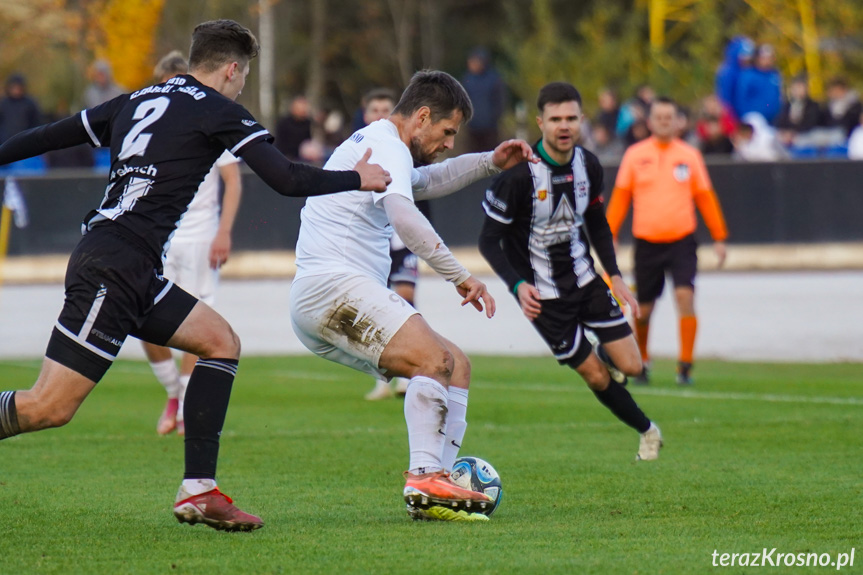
{"x":642,"y":378}
{"x":684,"y":370}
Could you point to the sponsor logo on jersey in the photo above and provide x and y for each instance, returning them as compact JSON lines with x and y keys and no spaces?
{"x":541,"y":195}
{"x":357,"y":137}
{"x":562,"y":179}
{"x":494,"y":201}
{"x":105,"y":337}
{"x":248,"y":123}
{"x":581,"y":188}
{"x":142,"y":170}
{"x":681,"y":172}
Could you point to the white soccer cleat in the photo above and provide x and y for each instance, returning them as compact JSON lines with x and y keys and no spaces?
{"x":401,"y":385}
{"x":382,"y":390}
{"x":648,"y":446}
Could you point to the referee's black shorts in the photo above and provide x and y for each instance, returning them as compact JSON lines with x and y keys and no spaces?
{"x":562,"y":322}
{"x":113,"y":289}
{"x":654,"y":260}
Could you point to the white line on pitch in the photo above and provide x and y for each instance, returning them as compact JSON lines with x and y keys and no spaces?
{"x":691,"y":394}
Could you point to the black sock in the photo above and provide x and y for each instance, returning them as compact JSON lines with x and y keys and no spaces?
{"x":204,"y":412}
{"x":617,"y":399}
{"x":8,"y":415}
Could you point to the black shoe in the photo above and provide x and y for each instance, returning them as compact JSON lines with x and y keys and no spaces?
{"x":684,"y":370}
{"x":643,"y":378}
{"x":615,"y":373}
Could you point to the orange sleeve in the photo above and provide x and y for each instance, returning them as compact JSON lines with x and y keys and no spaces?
{"x":707,"y":202}
{"x":621,"y":196}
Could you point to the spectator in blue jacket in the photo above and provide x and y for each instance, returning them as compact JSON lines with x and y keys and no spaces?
{"x":488,"y":94}
{"x":738,"y":57}
{"x":759,"y":89}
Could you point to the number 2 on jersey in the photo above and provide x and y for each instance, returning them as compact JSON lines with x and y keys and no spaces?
{"x":136,"y":141}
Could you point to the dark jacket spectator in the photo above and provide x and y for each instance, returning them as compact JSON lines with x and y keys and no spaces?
{"x":18,"y":111}
{"x":609,"y":110}
{"x":488,"y":94}
{"x":715,"y":141}
{"x":738,"y":56}
{"x":294,"y":129}
{"x":842,"y":108}
{"x":759,"y":89}
{"x":800,"y":112}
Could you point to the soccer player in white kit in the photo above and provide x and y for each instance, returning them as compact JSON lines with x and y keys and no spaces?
{"x":199,"y":247}
{"x":342,"y":310}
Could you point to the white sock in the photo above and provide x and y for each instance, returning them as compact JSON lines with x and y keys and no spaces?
{"x":168,"y":375}
{"x":184,"y":383}
{"x":456,"y":425}
{"x":198,"y":486}
{"x":425,"y":414}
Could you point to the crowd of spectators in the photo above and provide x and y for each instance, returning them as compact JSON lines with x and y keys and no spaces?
{"x":749,"y":117}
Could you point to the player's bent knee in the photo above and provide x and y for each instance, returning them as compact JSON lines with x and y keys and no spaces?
{"x":226,"y":345}
{"x":631,"y":366}
{"x":47,"y":417}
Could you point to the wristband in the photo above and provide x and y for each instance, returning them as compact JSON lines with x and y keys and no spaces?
{"x":515,"y":287}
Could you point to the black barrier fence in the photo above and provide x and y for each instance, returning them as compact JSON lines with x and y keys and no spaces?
{"x":801,"y":202}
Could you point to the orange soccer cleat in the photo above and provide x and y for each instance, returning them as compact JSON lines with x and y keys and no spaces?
{"x":436,"y":488}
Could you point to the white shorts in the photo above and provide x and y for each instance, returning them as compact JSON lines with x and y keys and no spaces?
{"x":188,"y":265}
{"x":347,"y":318}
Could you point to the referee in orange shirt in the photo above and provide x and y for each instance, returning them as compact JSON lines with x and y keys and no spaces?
{"x":665,"y":179}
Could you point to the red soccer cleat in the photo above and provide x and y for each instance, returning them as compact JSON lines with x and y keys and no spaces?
{"x":215,"y":509}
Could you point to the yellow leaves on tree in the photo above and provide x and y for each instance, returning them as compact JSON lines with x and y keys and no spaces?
{"x":123,"y":33}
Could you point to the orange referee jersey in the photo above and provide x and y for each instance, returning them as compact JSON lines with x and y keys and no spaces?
{"x":664,"y":182}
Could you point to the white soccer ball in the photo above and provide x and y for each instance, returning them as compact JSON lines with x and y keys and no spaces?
{"x":478,"y":475}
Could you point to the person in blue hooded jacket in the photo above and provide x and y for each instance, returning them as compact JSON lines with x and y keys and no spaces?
{"x":738,"y":57}
{"x":759,"y":88}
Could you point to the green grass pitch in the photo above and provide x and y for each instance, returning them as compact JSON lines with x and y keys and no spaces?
{"x":756,"y":455}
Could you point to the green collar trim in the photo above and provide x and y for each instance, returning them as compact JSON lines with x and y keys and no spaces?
{"x":544,"y":155}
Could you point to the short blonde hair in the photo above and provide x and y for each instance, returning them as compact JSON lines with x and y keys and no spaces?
{"x":172,"y":64}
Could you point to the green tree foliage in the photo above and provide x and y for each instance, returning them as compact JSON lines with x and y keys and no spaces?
{"x":591,"y":43}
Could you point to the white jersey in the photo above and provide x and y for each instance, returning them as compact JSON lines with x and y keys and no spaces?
{"x":201,"y":221}
{"x":349,"y":231}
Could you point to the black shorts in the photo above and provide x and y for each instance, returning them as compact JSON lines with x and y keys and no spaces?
{"x":404,"y":267}
{"x":562,"y":322}
{"x":113,"y":290}
{"x":653,"y":261}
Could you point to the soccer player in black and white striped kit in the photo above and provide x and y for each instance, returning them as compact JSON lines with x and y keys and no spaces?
{"x":163,"y":140}
{"x":541,"y":220}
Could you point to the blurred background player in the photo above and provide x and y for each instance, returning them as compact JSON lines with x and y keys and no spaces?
{"x":665,"y":179}
{"x":404,"y":269}
{"x":540,"y":222}
{"x":199,"y":247}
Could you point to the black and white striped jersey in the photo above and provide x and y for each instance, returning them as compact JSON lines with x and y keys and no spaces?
{"x":163,"y":140}
{"x":538,"y":221}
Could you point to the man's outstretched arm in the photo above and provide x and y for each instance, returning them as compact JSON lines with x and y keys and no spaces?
{"x":300,"y":180}
{"x":64,"y":133}
{"x":439,"y":180}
